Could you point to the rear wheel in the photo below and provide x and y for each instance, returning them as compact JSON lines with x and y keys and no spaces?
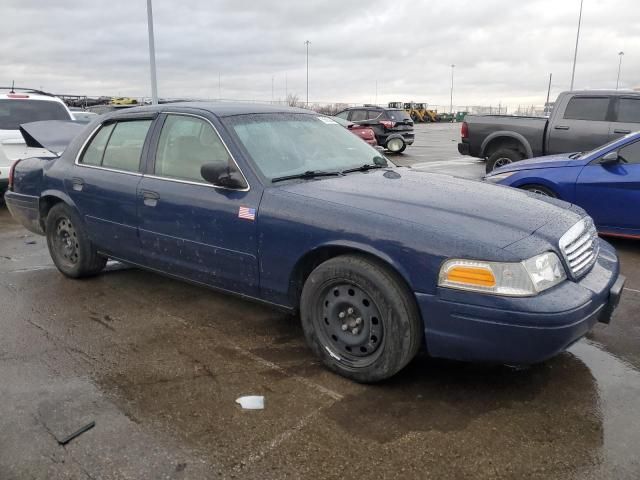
{"x":502,"y":157}
{"x":69,"y":245}
{"x":396,"y":145}
{"x":359,"y":318}
{"x":540,"y":190}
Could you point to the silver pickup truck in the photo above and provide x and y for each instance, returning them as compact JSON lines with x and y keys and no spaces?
{"x":580,"y":121}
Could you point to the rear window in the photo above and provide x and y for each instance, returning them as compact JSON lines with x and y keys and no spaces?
{"x":15,"y":112}
{"x":587,"y":108}
{"x":398,"y":115}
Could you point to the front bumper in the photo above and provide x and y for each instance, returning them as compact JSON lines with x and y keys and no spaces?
{"x":474,"y":327}
{"x":26,"y":210}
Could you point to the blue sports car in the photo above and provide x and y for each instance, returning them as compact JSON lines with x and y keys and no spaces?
{"x":281,"y":206}
{"x":605,"y":182}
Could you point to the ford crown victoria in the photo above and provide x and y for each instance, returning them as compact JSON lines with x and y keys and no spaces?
{"x":278,"y":205}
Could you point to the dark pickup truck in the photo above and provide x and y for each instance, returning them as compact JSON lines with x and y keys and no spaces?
{"x":579,"y":121}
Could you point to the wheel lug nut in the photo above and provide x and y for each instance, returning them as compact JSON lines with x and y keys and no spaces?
{"x":358,"y":321}
{"x":344,"y":327}
{"x":350,"y":310}
{"x":355,"y":331}
{"x":342,"y":315}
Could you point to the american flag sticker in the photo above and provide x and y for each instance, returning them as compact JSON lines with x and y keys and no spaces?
{"x":247,"y":213}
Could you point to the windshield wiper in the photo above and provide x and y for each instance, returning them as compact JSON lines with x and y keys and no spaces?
{"x":307,"y":174}
{"x":377,"y":163}
{"x":576,"y":155}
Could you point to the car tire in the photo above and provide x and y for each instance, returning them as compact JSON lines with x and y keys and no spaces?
{"x":72,"y":251}
{"x":359,"y":318}
{"x":501,"y":157}
{"x":539,"y":189}
{"x":396,"y":145}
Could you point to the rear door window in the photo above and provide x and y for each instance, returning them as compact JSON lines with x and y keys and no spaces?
{"x":587,"y":108}
{"x":118,"y":145}
{"x":94,"y":152}
{"x":628,"y":110}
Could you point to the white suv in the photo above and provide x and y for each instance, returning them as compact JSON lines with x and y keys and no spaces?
{"x":19,"y":106}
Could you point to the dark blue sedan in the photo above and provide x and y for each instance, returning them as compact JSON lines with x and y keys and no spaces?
{"x":281,"y":206}
{"x":605,"y":182}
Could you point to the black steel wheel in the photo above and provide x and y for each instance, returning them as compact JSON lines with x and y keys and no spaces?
{"x":360,"y":318}
{"x":349,"y":323}
{"x":65,"y":241}
{"x":72,"y":251}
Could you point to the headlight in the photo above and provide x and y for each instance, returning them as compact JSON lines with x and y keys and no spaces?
{"x":498,"y":177}
{"x":522,"y":279}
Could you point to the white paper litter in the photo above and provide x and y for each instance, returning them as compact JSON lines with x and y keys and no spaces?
{"x":251,"y":402}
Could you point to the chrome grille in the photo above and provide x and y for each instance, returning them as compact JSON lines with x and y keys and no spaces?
{"x":580,"y":246}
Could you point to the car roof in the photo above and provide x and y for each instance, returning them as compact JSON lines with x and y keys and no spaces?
{"x":220,"y":109}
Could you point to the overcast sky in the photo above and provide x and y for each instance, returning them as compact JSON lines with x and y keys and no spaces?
{"x":503,"y":50}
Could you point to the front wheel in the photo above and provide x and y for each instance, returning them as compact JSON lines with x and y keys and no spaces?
{"x":540,"y":190}
{"x":69,"y":245}
{"x":359,"y":318}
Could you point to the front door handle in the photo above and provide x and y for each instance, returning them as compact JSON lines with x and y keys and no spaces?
{"x":77,"y":184}
{"x":561,"y":127}
{"x":622,"y":131}
{"x":150,"y":199}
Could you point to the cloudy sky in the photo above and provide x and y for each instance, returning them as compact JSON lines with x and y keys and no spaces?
{"x":503,"y":50}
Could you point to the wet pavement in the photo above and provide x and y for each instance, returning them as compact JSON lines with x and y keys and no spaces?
{"x":158,"y":364}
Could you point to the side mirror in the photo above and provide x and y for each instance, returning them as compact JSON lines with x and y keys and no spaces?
{"x":610,"y":158}
{"x":221,"y":175}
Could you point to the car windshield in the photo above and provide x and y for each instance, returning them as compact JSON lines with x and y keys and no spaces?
{"x":285,"y":144}
{"x":18,"y":111}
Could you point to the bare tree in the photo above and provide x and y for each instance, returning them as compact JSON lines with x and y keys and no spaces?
{"x":293,"y":100}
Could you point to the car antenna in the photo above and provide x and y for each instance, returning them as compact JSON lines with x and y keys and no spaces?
{"x":13,"y":83}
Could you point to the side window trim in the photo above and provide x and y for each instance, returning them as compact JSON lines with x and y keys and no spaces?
{"x":153,"y":150}
{"x":143,"y":154}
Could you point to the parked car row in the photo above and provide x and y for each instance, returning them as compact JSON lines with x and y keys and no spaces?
{"x":282,"y":206}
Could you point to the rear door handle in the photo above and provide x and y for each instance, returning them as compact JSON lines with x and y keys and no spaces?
{"x":622,"y":131}
{"x":150,"y":199}
{"x":561,"y":127}
{"x":77,"y":184}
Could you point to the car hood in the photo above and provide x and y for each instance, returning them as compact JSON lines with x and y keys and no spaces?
{"x":549,"y":161}
{"x":467,"y":210}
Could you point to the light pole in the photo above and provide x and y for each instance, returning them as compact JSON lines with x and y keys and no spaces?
{"x":152,"y":55}
{"x":451,"y":99}
{"x":575,"y":52}
{"x":307,"y":43}
{"x":620,"y":54}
